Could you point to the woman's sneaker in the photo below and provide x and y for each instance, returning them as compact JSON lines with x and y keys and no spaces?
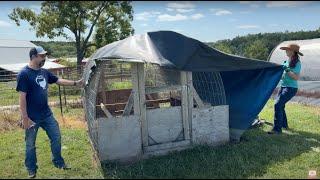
{"x":32,"y":174}
{"x":65,"y":167}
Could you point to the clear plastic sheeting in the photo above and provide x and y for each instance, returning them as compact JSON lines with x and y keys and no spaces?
{"x":310,"y":60}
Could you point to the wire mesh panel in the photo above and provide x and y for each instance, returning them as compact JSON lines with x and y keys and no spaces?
{"x":115,"y":87}
{"x":90,"y":106}
{"x":157,"y":77}
{"x":210,"y":87}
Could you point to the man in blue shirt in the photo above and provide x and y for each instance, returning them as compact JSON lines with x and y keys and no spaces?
{"x":32,"y":84}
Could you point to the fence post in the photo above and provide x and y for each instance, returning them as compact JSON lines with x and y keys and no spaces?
{"x":60,"y":101}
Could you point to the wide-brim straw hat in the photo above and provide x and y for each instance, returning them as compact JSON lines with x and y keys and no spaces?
{"x":292,"y":47}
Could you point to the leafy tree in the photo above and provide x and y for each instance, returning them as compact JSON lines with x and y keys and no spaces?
{"x":81,"y":18}
{"x":257,"y":50}
{"x":224,"y":48}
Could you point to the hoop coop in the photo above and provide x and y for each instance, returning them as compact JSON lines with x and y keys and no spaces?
{"x":135,"y":110}
{"x":152,"y":93}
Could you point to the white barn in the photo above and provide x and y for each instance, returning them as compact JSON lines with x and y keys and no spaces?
{"x":15,"y":55}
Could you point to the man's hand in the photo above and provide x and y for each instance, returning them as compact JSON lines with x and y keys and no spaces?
{"x":27,"y":122}
{"x":65,"y":82}
{"x":80,"y":82}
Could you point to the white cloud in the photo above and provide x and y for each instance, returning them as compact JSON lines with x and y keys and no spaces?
{"x":248,"y":27}
{"x":170,"y":9}
{"x":4,"y":24}
{"x":181,"y":5}
{"x":145,"y":16}
{"x":167,"y":17}
{"x":285,"y":3}
{"x":197,"y":16}
{"x":184,"y":10}
{"x":220,"y":12}
{"x":244,"y":2}
{"x":144,"y":24}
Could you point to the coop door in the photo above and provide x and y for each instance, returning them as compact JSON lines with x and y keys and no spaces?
{"x":166,"y":106}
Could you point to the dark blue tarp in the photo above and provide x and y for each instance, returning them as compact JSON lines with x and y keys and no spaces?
{"x":248,"y":83}
{"x":246,"y":94}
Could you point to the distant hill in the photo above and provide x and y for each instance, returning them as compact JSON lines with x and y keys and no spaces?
{"x":259,"y":46}
{"x":58,"y":49}
{"x":256,"y":46}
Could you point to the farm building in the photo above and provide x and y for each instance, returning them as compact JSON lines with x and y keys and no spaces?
{"x":309,"y":83}
{"x":178,"y":92}
{"x":15,"y":55}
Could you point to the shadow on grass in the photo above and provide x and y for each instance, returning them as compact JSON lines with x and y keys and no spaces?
{"x":249,"y":158}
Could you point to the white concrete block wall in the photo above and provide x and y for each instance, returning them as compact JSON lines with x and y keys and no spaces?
{"x":120,"y":138}
{"x":210,"y":125}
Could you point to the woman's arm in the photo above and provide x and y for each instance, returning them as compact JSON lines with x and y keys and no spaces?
{"x":293,"y":75}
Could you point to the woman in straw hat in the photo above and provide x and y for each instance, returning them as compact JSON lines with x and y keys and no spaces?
{"x":289,"y":87}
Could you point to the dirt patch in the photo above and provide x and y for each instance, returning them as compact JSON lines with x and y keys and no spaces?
{"x":9,"y":120}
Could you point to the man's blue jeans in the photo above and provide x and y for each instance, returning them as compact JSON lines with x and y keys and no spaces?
{"x":280,"y":117}
{"x":50,"y":125}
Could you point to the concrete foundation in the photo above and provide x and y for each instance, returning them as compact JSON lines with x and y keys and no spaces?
{"x":120,"y":137}
{"x":210,"y":125}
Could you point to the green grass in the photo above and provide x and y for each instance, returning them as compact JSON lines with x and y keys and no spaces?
{"x":259,"y":155}
{"x":75,"y":150}
{"x":9,"y":96}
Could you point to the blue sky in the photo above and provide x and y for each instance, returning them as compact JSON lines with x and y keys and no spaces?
{"x":207,"y":21}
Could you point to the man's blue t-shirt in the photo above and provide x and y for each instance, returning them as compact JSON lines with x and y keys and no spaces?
{"x":35,"y":84}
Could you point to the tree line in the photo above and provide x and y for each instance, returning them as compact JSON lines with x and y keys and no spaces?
{"x":259,"y":46}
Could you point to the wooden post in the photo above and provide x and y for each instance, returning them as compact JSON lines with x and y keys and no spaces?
{"x":129,"y":105}
{"x":197,"y":97}
{"x":143,"y":109}
{"x":105,"y":110}
{"x":190,"y":101}
{"x":135,"y":89}
{"x":140,"y":99}
{"x":103,"y":87}
{"x":185,"y":105}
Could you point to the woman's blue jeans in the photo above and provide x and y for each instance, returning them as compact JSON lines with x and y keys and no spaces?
{"x":280,"y":117}
{"x":50,"y":125}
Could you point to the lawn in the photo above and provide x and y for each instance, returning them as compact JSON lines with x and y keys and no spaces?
{"x":258,"y":155}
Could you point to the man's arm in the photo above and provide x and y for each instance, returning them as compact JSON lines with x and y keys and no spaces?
{"x":65,"y":82}
{"x":26,"y":121}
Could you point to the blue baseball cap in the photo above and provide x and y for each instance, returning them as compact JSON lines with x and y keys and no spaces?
{"x":36,"y":50}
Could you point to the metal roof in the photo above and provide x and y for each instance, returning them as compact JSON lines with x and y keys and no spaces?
{"x":310,"y":61}
{"x":17,"y":67}
{"x":14,"y":51}
{"x":16,"y":43}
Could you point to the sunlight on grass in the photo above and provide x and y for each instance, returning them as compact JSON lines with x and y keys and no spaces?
{"x":258,"y":155}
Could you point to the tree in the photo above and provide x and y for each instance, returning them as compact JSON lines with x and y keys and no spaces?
{"x":81,"y":18}
{"x":224,"y":48}
{"x":257,"y":50}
